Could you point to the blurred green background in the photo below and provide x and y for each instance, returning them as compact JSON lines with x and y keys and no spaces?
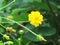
{"x":19,"y":9}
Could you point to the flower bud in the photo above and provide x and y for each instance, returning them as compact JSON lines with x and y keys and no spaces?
{"x":6,"y":37}
{"x":41,"y":38}
{"x":10,"y":17}
{"x":20,"y":39}
{"x":21,"y":32}
{"x":9,"y":29}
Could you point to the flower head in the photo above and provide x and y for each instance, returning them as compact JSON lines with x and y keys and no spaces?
{"x":35,"y":18}
{"x":10,"y":17}
{"x":6,"y":37}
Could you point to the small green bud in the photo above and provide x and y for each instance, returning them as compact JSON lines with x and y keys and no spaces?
{"x":6,"y":37}
{"x":19,"y":39}
{"x":21,"y":32}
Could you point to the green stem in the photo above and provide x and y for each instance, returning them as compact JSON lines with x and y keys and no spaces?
{"x":28,"y":43}
{"x":2,"y":26}
{"x":20,"y":25}
{"x":39,"y":36}
{"x":4,"y":22}
{"x":26,"y":29}
{"x":10,"y":22}
{"x":7,"y":5}
{"x":20,"y":41}
{"x":1,"y":34}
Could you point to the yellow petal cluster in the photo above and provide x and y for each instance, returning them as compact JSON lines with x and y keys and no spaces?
{"x":10,"y":17}
{"x":6,"y":37}
{"x":35,"y":18}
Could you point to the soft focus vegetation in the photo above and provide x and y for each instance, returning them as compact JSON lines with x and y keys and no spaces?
{"x":29,"y":22}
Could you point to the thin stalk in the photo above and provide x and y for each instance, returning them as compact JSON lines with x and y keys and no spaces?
{"x":7,"y":5}
{"x":1,"y":34}
{"x":20,"y":25}
{"x":4,"y":22}
{"x":28,"y":43}
{"x":3,"y":26}
{"x":10,"y":22}
{"x":25,"y":28}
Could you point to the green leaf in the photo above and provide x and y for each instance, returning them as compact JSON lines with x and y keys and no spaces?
{"x":22,"y":17}
{"x":42,"y":30}
{"x":46,"y":31}
{"x":16,"y":11}
{"x":30,"y":36}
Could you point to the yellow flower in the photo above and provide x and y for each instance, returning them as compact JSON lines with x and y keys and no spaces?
{"x":6,"y":37}
{"x":10,"y":17}
{"x":35,"y":18}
